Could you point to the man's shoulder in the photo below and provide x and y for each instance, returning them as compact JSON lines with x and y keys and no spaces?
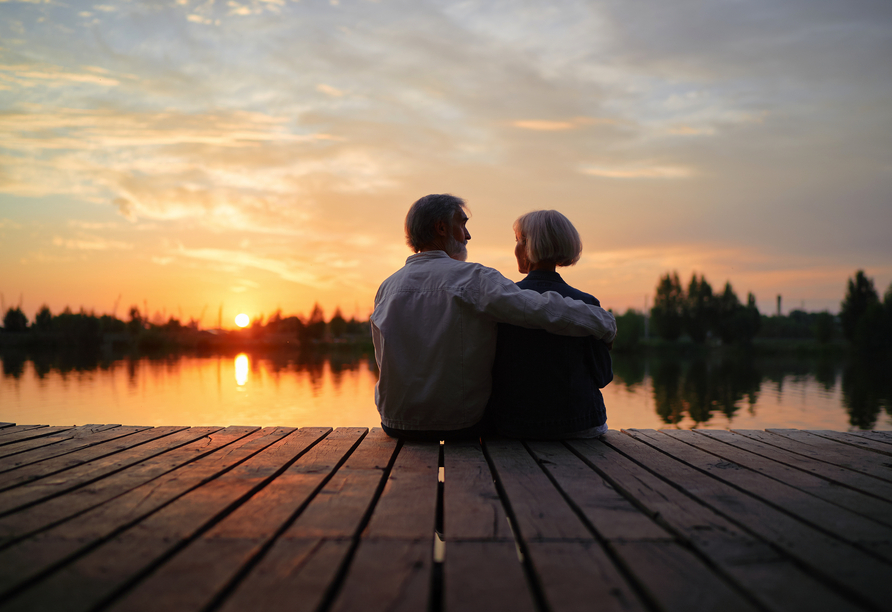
{"x":436,"y":270}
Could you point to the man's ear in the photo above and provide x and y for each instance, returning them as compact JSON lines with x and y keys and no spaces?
{"x":441,"y":229}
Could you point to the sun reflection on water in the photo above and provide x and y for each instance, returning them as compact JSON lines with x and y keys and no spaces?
{"x":241,"y":369}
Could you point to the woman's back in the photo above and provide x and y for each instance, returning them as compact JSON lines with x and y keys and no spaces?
{"x":546,"y":385}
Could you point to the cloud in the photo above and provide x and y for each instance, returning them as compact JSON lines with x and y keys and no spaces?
{"x":639,"y":171}
{"x":328,"y":89}
{"x":91,"y":244}
{"x":545,"y":126}
{"x":238,"y":260}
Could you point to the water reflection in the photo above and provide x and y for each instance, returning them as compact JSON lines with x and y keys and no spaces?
{"x":241,"y":370}
{"x":738,"y":391}
{"x":721,"y":390}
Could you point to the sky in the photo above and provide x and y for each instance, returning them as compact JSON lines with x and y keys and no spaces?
{"x":197,"y":157}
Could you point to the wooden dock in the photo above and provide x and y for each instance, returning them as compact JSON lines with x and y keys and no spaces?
{"x":105,"y":517}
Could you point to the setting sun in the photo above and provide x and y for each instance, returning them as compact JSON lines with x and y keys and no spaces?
{"x":242,"y":320}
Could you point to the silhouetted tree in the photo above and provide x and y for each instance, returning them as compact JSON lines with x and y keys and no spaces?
{"x":43,"y":321}
{"x":860,"y":295}
{"x":630,"y":329}
{"x":667,"y":313}
{"x":316,"y":323}
{"x":337,"y":325}
{"x":728,"y":307}
{"x":15,"y":321}
{"x":823,"y":327}
{"x":699,"y":310}
{"x":136,"y":323}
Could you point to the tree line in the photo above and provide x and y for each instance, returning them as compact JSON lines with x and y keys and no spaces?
{"x":84,"y":330}
{"x":698,"y":313}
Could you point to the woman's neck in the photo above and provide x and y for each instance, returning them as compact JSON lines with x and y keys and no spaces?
{"x":544,"y":266}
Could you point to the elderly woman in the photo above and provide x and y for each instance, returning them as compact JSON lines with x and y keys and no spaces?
{"x":547,"y":386}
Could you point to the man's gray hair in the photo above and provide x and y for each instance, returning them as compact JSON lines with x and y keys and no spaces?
{"x":424,"y":214}
{"x":549,"y":236}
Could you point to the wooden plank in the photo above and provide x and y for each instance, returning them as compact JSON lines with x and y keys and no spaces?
{"x":876,"y":436}
{"x":62,"y":434}
{"x":744,"y":451}
{"x":626,"y":531}
{"x":741,"y":471}
{"x":14,"y":429}
{"x":95,"y":578}
{"x":539,"y":510}
{"x":307,"y":557}
{"x":21,"y":433}
{"x":55,"y":458}
{"x":5,"y":425}
{"x":807,"y":458}
{"x":104,"y":444}
{"x":50,"y":549}
{"x":859,"y":576}
{"x":56,"y":484}
{"x":472,"y":509}
{"x":144,"y":464}
{"x":481,"y":569}
{"x":484,"y":575}
{"x":851,"y":456}
{"x":563,"y":555}
{"x":193,"y":578}
{"x":852,"y":440}
{"x":401,"y":530}
{"x":392,"y":575}
{"x":610,"y":513}
{"x":772,"y":579}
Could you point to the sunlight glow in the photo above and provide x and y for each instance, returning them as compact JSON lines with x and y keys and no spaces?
{"x":242,"y":320}
{"x":241,"y":369}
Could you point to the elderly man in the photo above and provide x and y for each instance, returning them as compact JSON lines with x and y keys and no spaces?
{"x":435,"y":325}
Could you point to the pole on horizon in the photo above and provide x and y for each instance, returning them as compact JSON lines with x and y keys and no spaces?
{"x":778,"y":304}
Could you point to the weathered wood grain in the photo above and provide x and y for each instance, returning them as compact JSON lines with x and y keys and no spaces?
{"x":472,"y":509}
{"x":570,"y":566}
{"x":313,"y":520}
{"x":20,"y":433}
{"x":847,"y":451}
{"x":849,"y":569}
{"x":151,"y":460}
{"x":68,"y":452}
{"x":811,"y":459}
{"x":124,"y":452}
{"x":96,"y":577}
{"x":57,"y":443}
{"x":401,"y":530}
{"x":309,"y":555}
{"x":706,"y":454}
{"x":484,"y":575}
{"x":826,"y":484}
{"x":876,"y":436}
{"x":117,"y":440}
{"x":46,"y":551}
{"x":196,"y":575}
{"x":772,"y":578}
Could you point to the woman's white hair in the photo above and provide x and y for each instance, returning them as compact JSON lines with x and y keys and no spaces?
{"x":549,"y":236}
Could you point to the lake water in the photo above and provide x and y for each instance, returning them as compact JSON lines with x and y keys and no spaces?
{"x":339,"y":391}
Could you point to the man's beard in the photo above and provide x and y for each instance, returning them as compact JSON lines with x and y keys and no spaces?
{"x":456,"y":250}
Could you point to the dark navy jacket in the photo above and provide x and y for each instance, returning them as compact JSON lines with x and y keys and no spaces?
{"x":544,"y":384}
